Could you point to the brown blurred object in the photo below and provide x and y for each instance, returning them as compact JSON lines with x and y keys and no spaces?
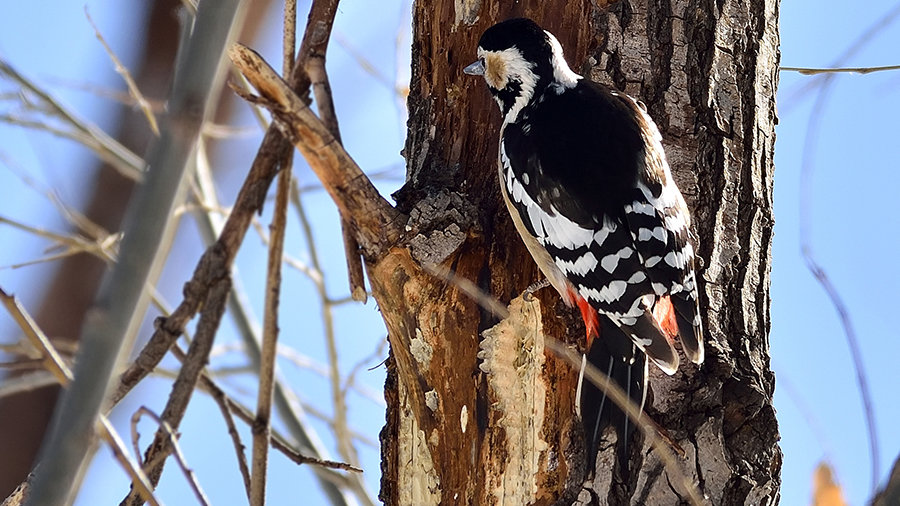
{"x":70,"y":290}
{"x":890,"y":494}
{"x":826,"y":492}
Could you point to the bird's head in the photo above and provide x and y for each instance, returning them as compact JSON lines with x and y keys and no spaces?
{"x":519,"y":60}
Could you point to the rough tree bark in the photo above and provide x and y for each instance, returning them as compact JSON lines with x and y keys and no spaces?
{"x":457,"y":435}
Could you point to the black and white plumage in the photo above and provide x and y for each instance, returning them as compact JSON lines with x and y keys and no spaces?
{"x":585,"y":178}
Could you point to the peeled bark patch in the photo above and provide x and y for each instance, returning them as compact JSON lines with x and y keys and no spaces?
{"x":513,"y":358}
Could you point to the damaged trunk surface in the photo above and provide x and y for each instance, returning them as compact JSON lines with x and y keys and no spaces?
{"x":479,"y":410}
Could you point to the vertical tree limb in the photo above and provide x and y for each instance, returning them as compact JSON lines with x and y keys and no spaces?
{"x":121,"y":303}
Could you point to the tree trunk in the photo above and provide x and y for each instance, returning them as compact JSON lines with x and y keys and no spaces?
{"x":456,"y":434}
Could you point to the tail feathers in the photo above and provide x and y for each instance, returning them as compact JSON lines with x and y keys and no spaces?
{"x":687,"y":316}
{"x":618,"y":357}
{"x":651,"y":339}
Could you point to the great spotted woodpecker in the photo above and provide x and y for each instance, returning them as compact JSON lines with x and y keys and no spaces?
{"x":585,"y":179}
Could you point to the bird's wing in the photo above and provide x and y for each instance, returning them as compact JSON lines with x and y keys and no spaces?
{"x":546,"y":177}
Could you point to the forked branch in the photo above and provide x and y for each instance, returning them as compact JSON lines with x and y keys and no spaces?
{"x":376,"y":222}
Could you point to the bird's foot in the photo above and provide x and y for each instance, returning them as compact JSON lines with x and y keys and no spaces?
{"x":537,"y":285}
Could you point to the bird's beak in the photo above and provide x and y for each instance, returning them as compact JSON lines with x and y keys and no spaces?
{"x":475,"y":69}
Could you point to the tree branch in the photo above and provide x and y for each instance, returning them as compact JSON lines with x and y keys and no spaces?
{"x":376,"y":221}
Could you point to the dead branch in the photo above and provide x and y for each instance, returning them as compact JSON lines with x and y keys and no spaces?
{"x":263,"y":422}
{"x":183,"y":389}
{"x":314,"y":61}
{"x":376,"y":221}
{"x":173,"y":441}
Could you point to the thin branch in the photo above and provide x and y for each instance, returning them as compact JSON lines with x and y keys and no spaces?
{"x":173,"y":441}
{"x":350,"y":382}
{"x":341,"y":431}
{"x":368,"y":67}
{"x":294,"y":455}
{"x":838,"y":70}
{"x":230,"y":236}
{"x":882,"y":23}
{"x":219,"y":396}
{"x":807,"y":167}
{"x":133,"y":89}
{"x":63,"y":375}
{"x":183,"y":389}
{"x":22,"y":383}
{"x":121,"y":303}
{"x":314,"y":61}
{"x":24,"y":364}
{"x":113,"y":94}
{"x":217,"y":260}
{"x":73,"y":244}
{"x":122,"y":159}
{"x":278,"y":441}
{"x":262,"y":424}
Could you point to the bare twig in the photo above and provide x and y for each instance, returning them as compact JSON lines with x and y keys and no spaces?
{"x":239,"y":310}
{"x":122,"y":159}
{"x":183,"y":389}
{"x":133,"y":89}
{"x":485,"y":300}
{"x":278,"y":441}
{"x":350,"y":382}
{"x":15,"y":385}
{"x":294,"y":455}
{"x":113,"y":94}
{"x":314,"y":60}
{"x":839,"y":70}
{"x":73,"y":244}
{"x":883,"y":22}
{"x":806,"y":249}
{"x":173,"y":441}
{"x":262,"y":424}
{"x":218,"y":258}
{"x":289,"y":32}
{"x":341,"y":431}
{"x":369,"y":68}
{"x":214,"y":264}
{"x":219,"y":396}
{"x":23,"y":364}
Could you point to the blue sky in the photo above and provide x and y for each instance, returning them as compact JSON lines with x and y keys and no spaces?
{"x":853,"y":212}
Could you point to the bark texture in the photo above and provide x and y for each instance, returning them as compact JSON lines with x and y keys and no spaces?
{"x":456,"y":434}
